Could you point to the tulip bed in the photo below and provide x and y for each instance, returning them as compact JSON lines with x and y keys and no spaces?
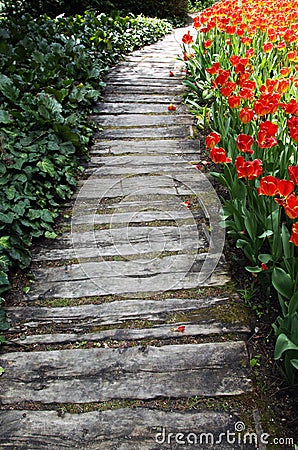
{"x":241,"y":65}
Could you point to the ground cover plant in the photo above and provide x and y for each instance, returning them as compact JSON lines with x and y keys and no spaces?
{"x":51,"y":75}
{"x":241,"y":62}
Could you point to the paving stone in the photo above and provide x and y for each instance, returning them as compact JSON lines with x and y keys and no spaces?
{"x":168,"y":146}
{"x":137,"y":108}
{"x":171,"y":131}
{"x":145,"y":120}
{"x":122,"y":429}
{"x":209,"y":329}
{"x":82,"y":317}
{"x":144,"y":98}
{"x":93,"y":375}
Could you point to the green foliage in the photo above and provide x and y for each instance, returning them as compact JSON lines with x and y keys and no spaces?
{"x":54,"y":8}
{"x":51,"y":76}
{"x":198,"y":5}
{"x":151,"y":8}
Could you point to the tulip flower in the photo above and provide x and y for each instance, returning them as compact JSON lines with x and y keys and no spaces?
{"x":244,"y":143}
{"x":218,"y":156}
{"x":248,"y":169}
{"x":294,"y":235}
{"x":268,"y":186}
{"x":187,"y":38}
{"x":291,"y":206}
{"x":212,"y":139}
{"x":285,"y":187}
{"x":246,"y":115}
{"x":293,"y":172}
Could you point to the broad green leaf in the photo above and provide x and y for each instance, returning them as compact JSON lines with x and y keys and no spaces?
{"x":4,"y":242}
{"x":283,"y":343}
{"x":47,"y":166}
{"x":294,"y":363}
{"x":4,"y":117}
{"x":293,"y":304}
{"x":265,"y":257}
{"x":285,"y":236}
{"x":266,"y":233}
{"x":254,"y":269}
{"x":282,"y":282}
{"x":50,"y":235}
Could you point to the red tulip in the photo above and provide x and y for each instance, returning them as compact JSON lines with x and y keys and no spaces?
{"x":291,"y":107}
{"x":228,"y":88}
{"x":234,"y":101}
{"x":213,"y":69}
{"x":218,"y":155}
{"x":187,"y":38}
{"x":248,"y":169}
{"x":293,"y":172}
{"x":294,"y":235}
{"x":267,"y":47}
{"x":285,"y":187}
{"x":268,"y":186}
{"x":291,"y":206}
{"x":212,"y":139}
{"x":293,"y":127}
{"x":246,"y":115}
{"x":207,"y":43}
{"x":244,"y":143}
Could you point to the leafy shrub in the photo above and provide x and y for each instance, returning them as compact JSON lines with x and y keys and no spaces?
{"x":55,"y":7}
{"x":51,"y":73}
{"x":150,"y":8}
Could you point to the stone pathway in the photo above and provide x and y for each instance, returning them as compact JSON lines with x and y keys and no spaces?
{"x":131,"y":333}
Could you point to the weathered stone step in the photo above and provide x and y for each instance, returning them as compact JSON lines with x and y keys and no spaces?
{"x":167,"y":132}
{"x":143,"y":89}
{"x":138,"y":186}
{"x":140,"y":164}
{"x":117,"y":284}
{"x":137,"y":80}
{"x":165,"y":146}
{"x":94,"y":375}
{"x":122,"y":429}
{"x":108,"y":314}
{"x":148,"y":70}
{"x":137,"y":108}
{"x":209,"y":329}
{"x":141,"y":216}
{"x":130,"y":120}
{"x":131,"y":268}
{"x":144,"y":98}
{"x":131,"y":240}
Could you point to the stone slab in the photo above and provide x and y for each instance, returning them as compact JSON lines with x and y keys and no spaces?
{"x":142,"y":120}
{"x":112,"y":313}
{"x":109,"y":107}
{"x":93,"y":375}
{"x":160,"y":332}
{"x":144,"y":98}
{"x":170,"y":131}
{"x":122,"y":429}
{"x":164,"y":146}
